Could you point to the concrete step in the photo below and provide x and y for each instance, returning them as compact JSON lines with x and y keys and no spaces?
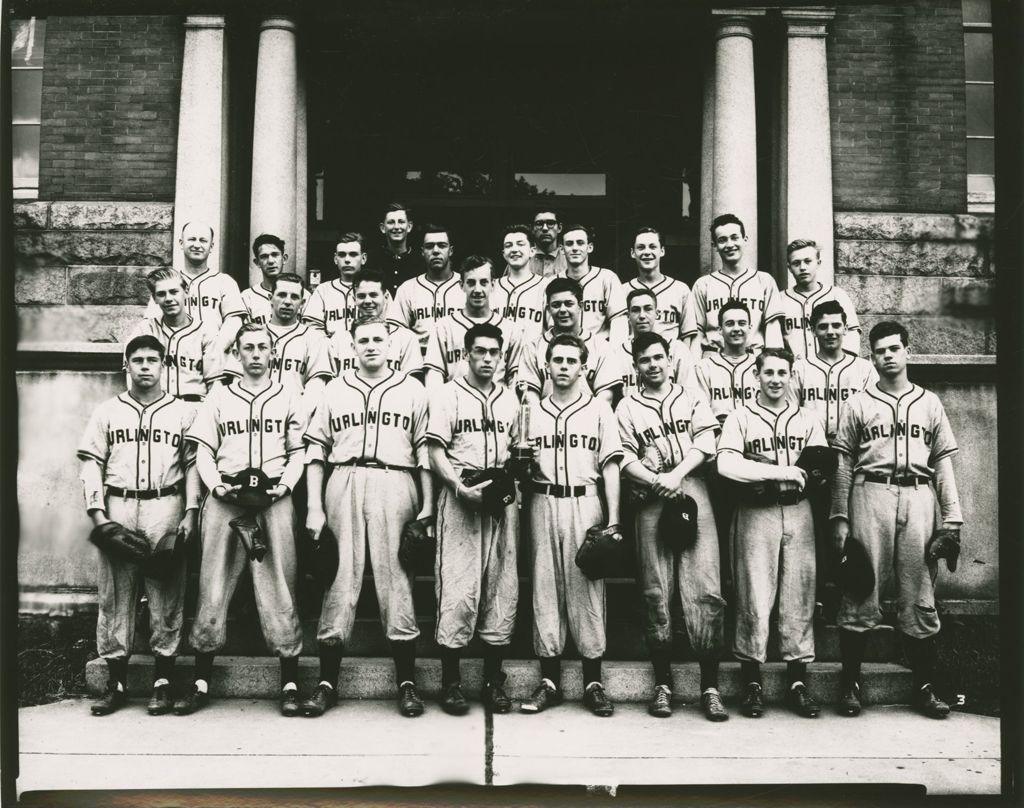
{"x":373,"y":678}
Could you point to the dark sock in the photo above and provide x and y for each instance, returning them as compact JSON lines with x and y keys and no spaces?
{"x":551,"y":668}
{"x":404,"y":653}
{"x":204,"y":667}
{"x":922,"y":659}
{"x":330,"y":663}
{"x":851,"y":652}
{"x":708,"y":674}
{"x":289,"y":670}
{"x":117,"y":670}
{"x":163,"y":667}
{"x":591,"y":670}
{"x":493,"y":655}
{"x":796,"y":672}
{"x":750,"y":671}
{"x":661,"y":660}
{"x":450,"y":666}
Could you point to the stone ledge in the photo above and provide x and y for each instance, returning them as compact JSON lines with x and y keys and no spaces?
{"x":94,"y":215}
{"x":913,"y":226}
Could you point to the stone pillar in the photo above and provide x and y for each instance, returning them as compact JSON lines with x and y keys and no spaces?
{"x":273,"y":144}
{"x":808,"y":148}
{"x":298,"y":249}
{"x":200,"y":183}
{"x":709,"y":260}
{"x":735,"y":136}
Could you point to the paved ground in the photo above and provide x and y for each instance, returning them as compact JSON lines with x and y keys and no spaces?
{"x":242,"y":743}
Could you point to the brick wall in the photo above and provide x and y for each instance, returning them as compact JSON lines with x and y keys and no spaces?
{"x":110,"y":108}
{"x":897,"y":101}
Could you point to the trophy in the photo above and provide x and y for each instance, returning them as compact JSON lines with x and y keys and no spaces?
{"x":522,"y":457}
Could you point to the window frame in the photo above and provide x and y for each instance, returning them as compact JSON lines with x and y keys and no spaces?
{"x":27,"y":191}
{"x":978,"y":201}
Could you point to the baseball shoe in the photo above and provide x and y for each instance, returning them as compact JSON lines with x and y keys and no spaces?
{"x":597,"y":700}
{"x":290,"y":702}
{"x":546,"y":695}
{"x":160,"y":703}
{"x":660,"y":705}
{"x":849,"y":701}
{"x":752,"y":706}
{"x":195,"y":700}
{"x":494,"y":696}
{"x":112,"y":700}
{"x":927,"y":703}
{"x":711,"y":704}
{"x":453,"y":701}
{"x":800,"y":702}
{"x":322,"y":699}
{"x":409,"y":702}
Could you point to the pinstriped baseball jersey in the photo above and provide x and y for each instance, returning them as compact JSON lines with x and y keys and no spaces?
{"x":674,"y":316}
{"x":332,"y":307}
{"x":757,"y":290}
{"x":301,"y":353}
{"x":419,"y":304}
{"x":825,"y":388}
{"x":138,"y":446}
{"x":601,"y":371}
{"x":680,"y":365}
{"x":257,"y":303}
{"x":404,"y":352}
{"x":603,"y":300}
{"x":796,"y":318}
{"x":446,"y":347}
{"x":891,"y":435}
{"x":575,"y":442}
{"x":726,"y":385}
{"x":383,"y":420}
{"x":211,"y":297}
{"x":190,"y":358}
{"x":250,"y":431}
{"x":779,"y":436}
{"x":524,"y":304}
{"x":675,"y":424}
{"x":475,"y":429}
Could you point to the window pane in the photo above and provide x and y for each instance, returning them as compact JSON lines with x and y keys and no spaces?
{"x":981,"y":184}
{"x":529,"y":184}
{"x":448,"y":183}
{"x":981,"y":157}
{"x":978,"y":56}
{"x":26,"y":95}
{"x":27,"y":39}
{"x":977,"y":11}
{"x":25,"y":147}
{"x":979,"y":109}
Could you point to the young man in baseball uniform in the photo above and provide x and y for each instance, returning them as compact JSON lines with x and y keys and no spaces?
{"x":680,"y":428}
{"x":137,"y":470}
{"x":773,"y":543}
{"x":671,"y":295}
{"x":737,"y":280}
{"x":253,"y":423}
{"x":446,"y":358}
{"x":519,"y":294}
{"x":578,"y":450}
{"x":728,"y":378}
{"x":269,"y":255}
{"x":804,"y":259}
{"x":395,"y":258}
{"x":895,"y":472}
{"x":331,"y":306}
{"x":371,"y":430}
{"x":549,"y":258}
{"x":476,"y":580}
{"x":642,"y":309}
{"x":604,"y":302}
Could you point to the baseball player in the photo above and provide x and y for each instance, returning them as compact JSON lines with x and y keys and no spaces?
{"x":519,"y":294}
{"x":476,"y":580}
{"x":549,"y":258}
{"x":773,"y":544}
{"x":642,"y":314}
{"x":680,"y":427}
{"x":137,"y":470}
{"x":804,"y":259}
{"x":671,"y":295}
{"x":895,"y":442}
{"x":395,"y":259}
{"x":370,"y":428}
{"x":446,"y":359}
{"x":603,"y":302}
{"x":578,"y":449}
{"x":735,"y":281}
{"x":403,"y":348}
{"x":422,"y":301}
{"x":331,"y":306}
{"x":269,"y":255}
{"x":253,"y":423}
{"x":728,"y":378}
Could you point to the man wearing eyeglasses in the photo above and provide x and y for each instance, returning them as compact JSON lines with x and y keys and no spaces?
{"x":549,"y":258}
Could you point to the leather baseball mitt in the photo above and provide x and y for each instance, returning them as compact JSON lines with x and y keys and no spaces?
{"x":119,"y":542}
{"x":166,"y":556}
{"x":417,"y":546}
{"x":759,"y":493}
{"x":496,"y":496}
{"x":600,"y":555}
{"x":944,"y":543}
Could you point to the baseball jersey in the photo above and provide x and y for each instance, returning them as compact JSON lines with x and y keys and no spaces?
{"x":524,"y":304}
{"x":300,"y":353}
{"x":332,"y":306}
{"x":674,"y":425}
{"x":257,"y":303}
{"x":600,"y":372}
{"x":383,"y":420}
{"x":894,"y":436}
{"x":674,"y":316}
{"x":757,"y":290}
{"x":211,"y":297}
{"x":419,"y":304}
{"x":726,"y":385}
{"x":575,"y":442}
{"x":779,"y":436}
{"x":474,"y":428}
{"x":446,"y":347}
{"x":796,"y":319}
{"x":245,"y":430}
{"x":138,"y":446}
{"x":404,"y":352}
{"x":825,"y":388}
{"x":191,"y":358}
{"x":603,"y":300}
{"x":680,"y":365}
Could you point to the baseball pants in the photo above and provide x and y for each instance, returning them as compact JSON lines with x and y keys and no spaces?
{"x":118,"y":583}
{"x":694,"y":573}
{"x":475,"y":577}
{"x":894,"y":523}
{"x":273,"y":579}
{"x":367,"y":508}
{"x":774,"y":556}
{"x":563,"y":597}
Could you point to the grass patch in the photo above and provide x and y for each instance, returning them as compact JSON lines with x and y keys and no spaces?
{"x":52,"y":653}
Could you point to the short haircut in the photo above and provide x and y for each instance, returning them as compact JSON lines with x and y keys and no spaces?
{"x":640,"y":292}
{"x":801,"y":243}
{"x":569,"y":228}
{"x":361,"y":321}
{"x":395,"y":207}
{"x":730,"y":304}
{"x":471,"y":262}
{"x":778,"y":353}
{"x":563,"y":284}
{"x":641,"y":342}
{"x":828,"y":307}
{"x":365,"y":275}
{"x":547,"y":210}
{"x":640,"y":231}
{"x":141,"y":342}
{"x":347,"y":238}
{"x":887,"y":328}
{"x":724,"y":219}
{"x":186,"y":226}
{"x":568,"y":339}
{"x":286,"y":277}
{"x":266,"y":238}
{"x":521,"y":229}
{"x":164,"y":274}
{"x":437,"y":228}
{"x":485,"y":331}
{"x":251,"y":327}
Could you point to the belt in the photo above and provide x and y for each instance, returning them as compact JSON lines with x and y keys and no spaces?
{"x":790,"y":497}
{"x":374,"y":464}
{"x":143,"y":493}
{"x":904,"y":480}
{"x":562,"y":491}
{"x":191,"y":397}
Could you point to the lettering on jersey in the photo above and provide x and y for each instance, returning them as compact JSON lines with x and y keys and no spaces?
{"x":245,"y":426}
{"x":826,"y":394}
{"x":350,"y":420}
{"x":346,"y":314}
{"x":464,"y":425}
{"x":116,"y":436}
{"x":522,"y":314}
{"x":680,"y":426}
{"x":715,"y":303}
{"x":197,"y":301}
{"x":595,"y":305}
{"x":277,"y":363}
{"x":801,"y":323}
{"x":351,"y":363}
{"x":572,"y":440}
{"x":670,"y":316}
{"x":898,"y":430}
{"x":766,"y":445}
{"x":432,"y":312}
{"x":175,"y":360}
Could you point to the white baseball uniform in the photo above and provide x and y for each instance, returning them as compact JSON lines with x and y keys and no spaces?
{"x":757,"y":290}
{"x":446,"y":347}
{"x":419,"y":304}
{"x":257,"y":303}
{"x":601,"y":371}
{"x":680,"y":365}
{"x":796,"y":319}
{"x":301,"y":353}
{"x":603,"y":308}
{"x":211,"y":297}
{"x":191,"y":361}
{"x":726,"y":384}
{"x":524,"y":304}
{"x":825,"y":389}
{"x":332,"y":307}
{"x":404,"y":352}
{"x":672,"y":312}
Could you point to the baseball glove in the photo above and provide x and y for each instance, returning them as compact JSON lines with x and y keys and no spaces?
{"x":324,"y":558}
{"x":250,"y":534}
{"x":496,"y":496}
{"x":600,"y":555}
{"x":418,"y":545}
{"x":119,"y":542}
{"x":166,"y":556}
{"x":944,"y":543}
{"x":677,"y":525}
{"x":765,"y":492}
{"x":820,"y":463}
{"x":521,"y":463}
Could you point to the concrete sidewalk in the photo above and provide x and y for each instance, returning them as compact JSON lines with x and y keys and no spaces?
{"x":245,"y":743}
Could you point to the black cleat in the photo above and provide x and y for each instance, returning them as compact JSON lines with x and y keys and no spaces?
{"x":111,"y":701}
{"x":660,"y":705}
{"x":493,"y":695}
{"x":849,"y":701}
{"x":195,"y":700}
{"x":711,"y":704}
{"x":597,"y":700}
{"x":322,"y":699}
{"x":290,"y":702}
{"x":409,"y":702}
{"x":800,"y":702}
{"x":927,"y":703}
{"x":160,"y":703}
{"x":453,"y":701}
{"x":752,"y":706}
{"x":546,"y":695}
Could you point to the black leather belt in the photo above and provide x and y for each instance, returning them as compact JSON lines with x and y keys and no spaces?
{"x":191,"y":397}
{"x":374,"y":464}
{"x":790,"y":497}
{"x":563,"y":491}
{"x":905,"y":479}
{"x":143,"y":493}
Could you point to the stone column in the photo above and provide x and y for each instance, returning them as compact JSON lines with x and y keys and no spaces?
{"x":200,"y":183}
{"x":709,"y":260}
{"x":298,"y":249}
{"x":808,"y":148}
{"x":273,"y":144}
